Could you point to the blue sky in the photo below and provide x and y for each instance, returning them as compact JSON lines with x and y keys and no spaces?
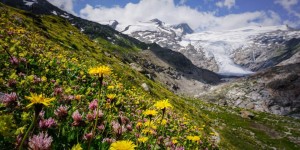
{"x":199,"y":14}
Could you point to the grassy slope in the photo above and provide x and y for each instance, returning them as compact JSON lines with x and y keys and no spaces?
{"x":234,"y":131}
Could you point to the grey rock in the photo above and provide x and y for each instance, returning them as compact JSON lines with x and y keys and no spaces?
{"x":145,"y":87}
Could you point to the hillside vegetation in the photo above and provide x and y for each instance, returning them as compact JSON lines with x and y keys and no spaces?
{"x":54,"y":95}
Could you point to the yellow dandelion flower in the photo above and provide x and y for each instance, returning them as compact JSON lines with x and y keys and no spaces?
{"x":38,"y":99}
{"x":139,"y":124}
{"x":100,"y":71}
{"x":174,"y":141}
{"x":77,"y":147}
{"x":111,"y":96}
{"x":163,"y":104}
{"x":78,"y":97}
{"x":143,"y":139}
{"x":164,"y":122}
{"x":193,"y":138}
{"x":110,"y":87}
{"x":122,"y":145}
{"x":150,"y":124}
{"x":146,"y":131}
{"x":150,"y":112}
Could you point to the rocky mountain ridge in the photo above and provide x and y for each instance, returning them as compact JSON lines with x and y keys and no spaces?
{"x":230,"y":52}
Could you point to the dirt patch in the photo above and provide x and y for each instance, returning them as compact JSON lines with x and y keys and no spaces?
{"x":270,"y":132}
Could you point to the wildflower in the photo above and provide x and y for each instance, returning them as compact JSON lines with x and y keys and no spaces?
{"x":100,"y":71}
{"x":94,"y":104}
{"x":38,"y":99}
{"x":14,"y":60}
{"x":88,"y":136}
{"x":40,"y":141}
{"x":90,"y":117}
{"x":129,"y":127}
{"x":111,"y":96}
{"x":10,"y":99}
{"x":122,"y":145}
{"x":193,"y":138}
{"x":57,"y":91}
{"x":12,"y":83}
{"x":77,"y":118}
{"x":163,"y":104}
{"x":138,"y":125}
{"x":146,"y":131}
{"x":150,"y":124}
{"x":117,"y":128}
{"x":164,"y":122}
{"x":150,"y":113}
{"x":61,"y":112}
{"x":108,"y":140}
{"x":101,"y":127}
{"x":110,"y":87}
{"x":37,"y":80}
{"x":47,"y":123}
{"x":123,"y":120}
{"x":143,"y":139}
{"x":77,"y":147}
{"x":78,"y":97}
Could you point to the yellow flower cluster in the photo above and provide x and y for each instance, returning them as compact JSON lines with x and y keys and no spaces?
{"x":193,"y":138}
{"x":111,"y":96}
{"x":143,"y":139}
{"x":100,"y":71}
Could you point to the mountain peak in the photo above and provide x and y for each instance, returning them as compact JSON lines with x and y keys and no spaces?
{"x":157,"y":21}
{"x":184,"y":27}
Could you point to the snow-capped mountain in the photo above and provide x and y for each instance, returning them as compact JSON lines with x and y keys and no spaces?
{"x":231,"y":52}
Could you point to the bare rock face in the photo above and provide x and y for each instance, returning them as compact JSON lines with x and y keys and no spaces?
{"x":275,"y":90}
{"x":174,"y":70}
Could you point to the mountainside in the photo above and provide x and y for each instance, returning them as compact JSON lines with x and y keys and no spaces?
{"x":95,"y":31}
{"x":46,"y":54}
{"x":232,"y":52}
{"x":274,"y":90}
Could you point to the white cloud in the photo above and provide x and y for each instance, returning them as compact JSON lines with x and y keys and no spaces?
{"x":226,"y":3}
{"x":66,"y":5}
{"x":288,"y":5}
{"x":182,"y":2}
{"x":168,"y":12}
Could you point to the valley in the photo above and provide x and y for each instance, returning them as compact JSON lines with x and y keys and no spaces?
{"x":235,"y":89}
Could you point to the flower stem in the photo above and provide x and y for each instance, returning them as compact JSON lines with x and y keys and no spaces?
{"x":97,"y":113}
{"x":28,"y":130}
